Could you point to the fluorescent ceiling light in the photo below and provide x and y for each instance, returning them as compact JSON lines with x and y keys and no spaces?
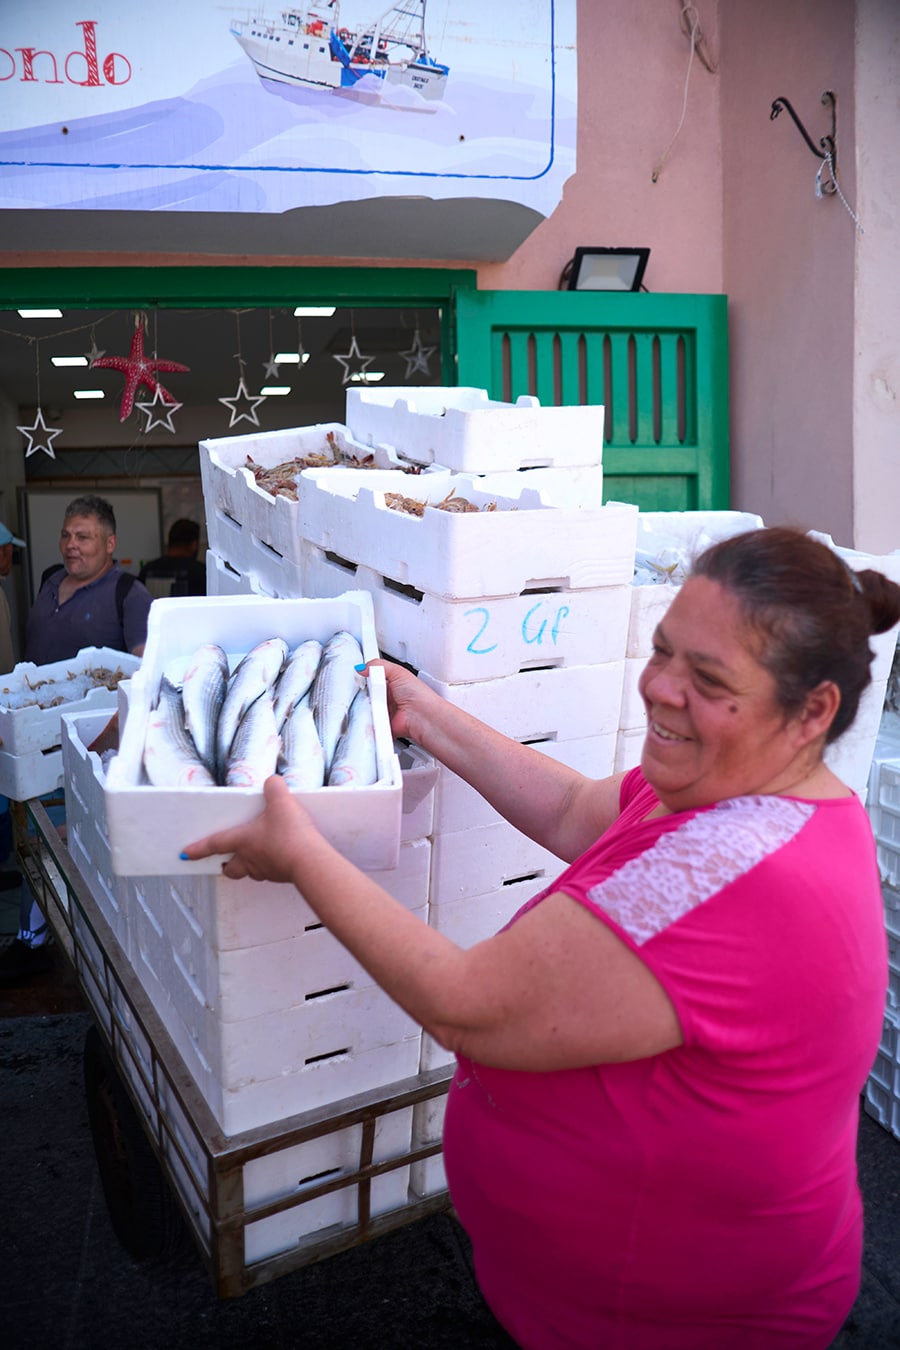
{"x":269,"y":389}
{"x":40,"y":313}
{"x":366,"y":376}
{"x":314,"y":311}
{"x":608,"y":269}
{"x":291,"y":358}
{"x":89,"y":393}
{"x":69,"y":360}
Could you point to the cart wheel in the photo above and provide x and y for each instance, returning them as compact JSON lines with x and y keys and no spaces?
{"x":142,"y":1209}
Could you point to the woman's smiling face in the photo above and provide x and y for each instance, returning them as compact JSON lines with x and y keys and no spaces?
{"x":715,"y":726}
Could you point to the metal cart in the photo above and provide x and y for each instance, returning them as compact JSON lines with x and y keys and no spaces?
{"x":164,"y":1162}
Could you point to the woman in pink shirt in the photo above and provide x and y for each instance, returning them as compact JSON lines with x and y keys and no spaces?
{"x":651,"y":1132}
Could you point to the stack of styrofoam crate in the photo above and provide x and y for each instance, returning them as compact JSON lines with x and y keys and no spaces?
{"x":666,"y":543}
{"x":882,"y":1092}
{"x":517,"y":611}
{"x":31,"y":737}
{"x":270,"y":1014}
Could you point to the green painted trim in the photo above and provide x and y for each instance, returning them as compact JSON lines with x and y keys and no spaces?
{"x":232,"y":287}
{"x":225,"y":287}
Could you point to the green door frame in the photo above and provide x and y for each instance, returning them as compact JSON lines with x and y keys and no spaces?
{"x":243,"y":287}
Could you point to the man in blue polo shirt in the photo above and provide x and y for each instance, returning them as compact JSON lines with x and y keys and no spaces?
{"x":87,"y":602}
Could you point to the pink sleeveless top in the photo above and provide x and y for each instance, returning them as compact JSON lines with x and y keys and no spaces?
{"x":706,"y":1197}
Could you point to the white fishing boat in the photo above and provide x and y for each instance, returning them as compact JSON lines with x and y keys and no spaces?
{"x":309,"y":48}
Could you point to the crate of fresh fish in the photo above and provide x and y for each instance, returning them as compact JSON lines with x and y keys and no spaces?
{"x":467,"y":542}
{"x":233,"y":689}
{"x":253,"y":487}
{"x":33,"y":697}
{"x":462,"y":429}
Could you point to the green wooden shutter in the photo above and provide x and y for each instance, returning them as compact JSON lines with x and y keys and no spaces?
{"x":659,"y":364}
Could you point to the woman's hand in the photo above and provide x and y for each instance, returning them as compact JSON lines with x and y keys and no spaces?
{"x":268,"y":848}
{"x":408,"y":700}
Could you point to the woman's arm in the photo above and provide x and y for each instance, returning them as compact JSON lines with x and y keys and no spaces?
{"x":556,"y":990}
{"x":556,"y":806}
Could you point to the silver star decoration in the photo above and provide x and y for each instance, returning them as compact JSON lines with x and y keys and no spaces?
{"x":95,"y":353}
{"x":353,"y":355}
{"x":149,"y":407}
{"x":416,"y":357}
{"x":270,"y":367}
{"x":40,"y":442}
{"x":242,"y":396}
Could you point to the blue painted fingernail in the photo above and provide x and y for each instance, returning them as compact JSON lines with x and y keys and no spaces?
{"x":362,"y":667}
{"x":184,"y":857}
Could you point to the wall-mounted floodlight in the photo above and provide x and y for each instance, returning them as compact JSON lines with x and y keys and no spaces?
{"x":607,"y":269}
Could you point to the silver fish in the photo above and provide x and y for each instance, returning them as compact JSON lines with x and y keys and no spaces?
{"x":302,"y":760}
{"x":296,"y":678}
{"x":355,"y":761}
{"x":170,"y":756}
{"x":333,"y":690}
{"x":254,"y":750}
{"x":203,"y":691}
{"x":255,"y":674}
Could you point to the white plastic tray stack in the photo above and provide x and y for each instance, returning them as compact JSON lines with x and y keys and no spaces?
{"x":517,"y":611}
{"x":31,"y":737}
{"x":269,"y":1013}
{"x":882,"y":1093}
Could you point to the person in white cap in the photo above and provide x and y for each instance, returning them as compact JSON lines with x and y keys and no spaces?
{"x":8,"y":542}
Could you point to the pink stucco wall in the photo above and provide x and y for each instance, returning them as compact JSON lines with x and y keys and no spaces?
{"x":632,"y":67}
{"x":788,"y":262}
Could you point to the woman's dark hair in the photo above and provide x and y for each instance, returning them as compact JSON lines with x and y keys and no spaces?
{"x":89,"y":505}
{"x":812,"y":613}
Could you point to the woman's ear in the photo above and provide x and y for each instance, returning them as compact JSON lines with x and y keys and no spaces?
{"x":820,"y":710}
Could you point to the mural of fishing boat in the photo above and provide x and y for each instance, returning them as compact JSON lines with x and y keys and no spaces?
{"x":309,"y":48}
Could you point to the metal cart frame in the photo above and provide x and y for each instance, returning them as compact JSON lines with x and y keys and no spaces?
{"x":215,"y":1213}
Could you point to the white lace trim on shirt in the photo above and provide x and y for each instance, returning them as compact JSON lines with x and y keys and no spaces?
{"x":690,"y":864}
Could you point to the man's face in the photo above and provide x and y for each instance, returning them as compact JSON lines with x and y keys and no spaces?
{"x":86,"y":548}
{"x":6,"y":552}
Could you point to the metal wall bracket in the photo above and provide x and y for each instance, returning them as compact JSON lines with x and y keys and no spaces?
{"x":827,"y":150}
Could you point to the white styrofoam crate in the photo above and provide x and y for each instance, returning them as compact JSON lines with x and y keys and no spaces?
{"x":526,"y":543}
{"x":470,"y":919}
{"x":419,"y":773}
{"x":149,"y":826}
{"x":459,"y":640}
{"x":463,"y":429}
{"x":850,"y":756}
{"x":629,"y":748}
{"x":883,"y":645}
{"x":428,"y":1176}
{"x":687,"y":532}
{"x":23,"y":731}
{"x":883,"y":792}
{"x":457,"y":806}
{"x":486,"y":859}
{"x":243,"y":520}
{"x":32,"y":774}
{"x":562,"y":703}
{"x":648,"y":605}
{"x":633,"y":716}
{"x":269,"y":1012}
{"x":289,"y":1171}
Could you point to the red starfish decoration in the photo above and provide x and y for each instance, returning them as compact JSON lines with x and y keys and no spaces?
{"x":138,"y":369}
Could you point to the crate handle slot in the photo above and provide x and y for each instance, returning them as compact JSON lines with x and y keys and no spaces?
{"x":400,"y":588}
{"x":341,"y":562}
{"x":326,"y":993}
{"x":526,"y":876}
{"x":329,"y":1054}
